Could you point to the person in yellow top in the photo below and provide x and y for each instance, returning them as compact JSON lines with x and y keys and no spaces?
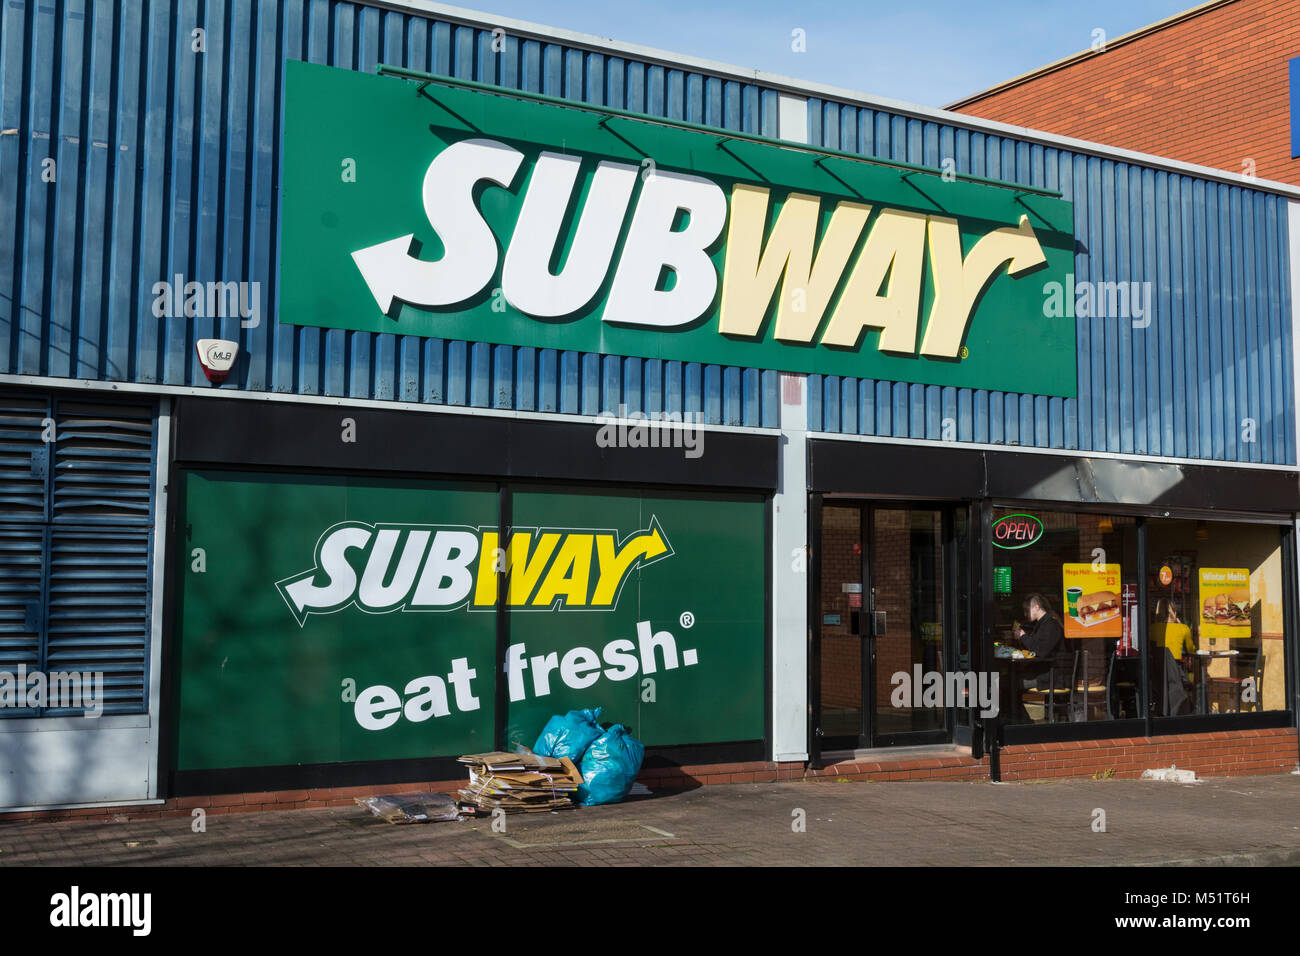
{"x":1170,"y":631}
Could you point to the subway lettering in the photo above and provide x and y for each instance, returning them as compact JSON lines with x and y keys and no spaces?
{"x":675,"y":219}
{"x":396,"y":567}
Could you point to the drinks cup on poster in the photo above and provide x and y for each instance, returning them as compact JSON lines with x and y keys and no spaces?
{"x":1091,"y":600}
{"x":1224,"y":599}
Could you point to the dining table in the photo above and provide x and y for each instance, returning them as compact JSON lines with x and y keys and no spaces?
{"x":1012,"y":670}
{"x":1203,"y":659}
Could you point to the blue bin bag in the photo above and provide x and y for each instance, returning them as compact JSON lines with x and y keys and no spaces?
{"x":570,"y":735}
{"x":610,"y":767}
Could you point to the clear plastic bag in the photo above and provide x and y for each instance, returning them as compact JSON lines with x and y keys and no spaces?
{"x":412,"y":807}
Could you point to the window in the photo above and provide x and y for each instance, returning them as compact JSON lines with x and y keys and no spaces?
{"x":1216,"y":617}
{"x":1065,"y":598}
{"x":1068,"y":630}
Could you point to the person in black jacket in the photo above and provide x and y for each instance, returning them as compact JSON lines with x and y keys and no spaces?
{"x":1045,"y":636}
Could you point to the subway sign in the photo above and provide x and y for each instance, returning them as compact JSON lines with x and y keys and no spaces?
{"x":446,"y":567}
{"x":348,"y":618}
{"x":441,"y":212}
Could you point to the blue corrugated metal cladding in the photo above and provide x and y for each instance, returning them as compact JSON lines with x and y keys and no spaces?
{"x":165,"y":163}
{"x":1209,"y":374}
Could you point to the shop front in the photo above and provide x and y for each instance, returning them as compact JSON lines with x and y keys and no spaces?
{"x":571,"y":228}
{"x":1171,"y":588}
{"x":552,"y":372}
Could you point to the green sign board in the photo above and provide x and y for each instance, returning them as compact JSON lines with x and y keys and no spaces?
{"x":437,"y":211}
{"x":1002,"y":580}
{"x":333,"y":619}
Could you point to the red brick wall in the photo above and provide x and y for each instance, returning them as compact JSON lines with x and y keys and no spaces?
{"x":1211,"y":89}
{"x":1224,"y":754}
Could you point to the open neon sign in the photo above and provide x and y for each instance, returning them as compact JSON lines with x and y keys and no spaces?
{"x":1016,"y":531}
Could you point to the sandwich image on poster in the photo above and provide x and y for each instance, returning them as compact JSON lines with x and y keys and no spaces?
{"x":1097,"y":607}
{"x":1091,"y":600}
{"x":1225,"y":602}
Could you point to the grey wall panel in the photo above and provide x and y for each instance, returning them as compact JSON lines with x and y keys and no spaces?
{"x":166,"y":164}
{"x":1209,"y":377}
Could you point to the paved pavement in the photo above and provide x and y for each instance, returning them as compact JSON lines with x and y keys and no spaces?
{"x":1235,"y":821}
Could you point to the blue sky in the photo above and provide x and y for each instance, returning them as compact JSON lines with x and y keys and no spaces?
{"x":927,"y":53}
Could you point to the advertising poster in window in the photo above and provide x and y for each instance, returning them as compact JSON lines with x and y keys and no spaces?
{"x":1091,"y":598}
{"x":1225,"y":602}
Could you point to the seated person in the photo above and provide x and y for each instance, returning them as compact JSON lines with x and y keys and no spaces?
{"x":1045,"y":636}
{"x":1171,"y":633}
{"x":1169,"y":630}
{"x":1171,"y":691}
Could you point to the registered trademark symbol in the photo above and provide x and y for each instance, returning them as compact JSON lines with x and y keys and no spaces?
{"x":965,"y":352}
{"x":687,"y":619}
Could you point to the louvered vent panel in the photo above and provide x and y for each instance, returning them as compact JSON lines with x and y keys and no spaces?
{"x":24,"y":457}
{"x":99,"y":609}
{"x":22,"y":551}
{"x":103,"y":459}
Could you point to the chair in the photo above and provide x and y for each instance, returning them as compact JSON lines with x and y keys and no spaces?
{"x":1122,"y":674}
{"x":1170,"y":694}
{"x":1228,"y":690}
{"x":1090,"y":692}
{"x":1058,"y":696}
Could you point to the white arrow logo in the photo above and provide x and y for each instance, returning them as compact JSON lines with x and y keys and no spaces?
{"x":959,"y":282}
{"x":391,"y":268}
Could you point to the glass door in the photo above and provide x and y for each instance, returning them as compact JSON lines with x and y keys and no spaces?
{"x":907,"y":623}
{"x":844,"y":667}
{"x":887,"y":622}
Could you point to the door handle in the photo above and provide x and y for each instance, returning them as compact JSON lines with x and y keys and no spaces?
{"x":868,"y":624}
